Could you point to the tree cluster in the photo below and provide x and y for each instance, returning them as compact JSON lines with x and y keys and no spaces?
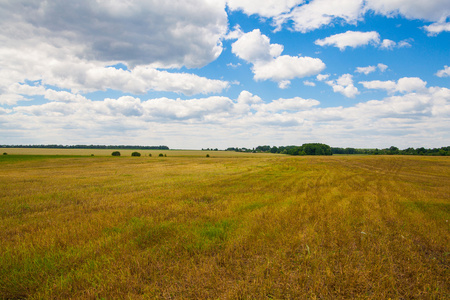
{"x":305,"y":149}
{"x":443,"y":151}
{"x":322,"y":149}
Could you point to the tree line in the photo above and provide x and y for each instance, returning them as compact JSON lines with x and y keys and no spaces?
{"x":305,"y":149}
{"x":88,"y":147}
{"x":323,"y":149}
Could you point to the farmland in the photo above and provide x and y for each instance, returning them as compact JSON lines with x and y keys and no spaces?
{"x":229,"y":226}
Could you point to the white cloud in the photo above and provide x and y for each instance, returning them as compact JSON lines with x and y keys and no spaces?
{"x":284,"y":84}
{"x":68,"y":45}
{"x":80,"y":76}
{"x":318,"y":13}
{"x":293,"y":104}
{"x":4,"y":111}
{"x":382,"y":67}
{"x":380,"y":85}
{"x":344,"y":85}
{"x":255,"y":48}
{"x":350,"y":39}
{"x":388,"y":44}
{"x":357,"y":39}
{"x":234,"y":66}
{"x":322,"y":77}
{"x":370,"y":69}
{"x":235,"y":34}
{"x":410,"y":84}
{"x":433,"y":10}
{"x":287,"y":67}
{"x":444,"y":73}
{"x":422,"y":116}
{"x":267,"y":8}
{"x":403,"y":85}
{"x":165,"y":34}
{"x":405,"y":43}
{"x":436,"y":28}
{"x":245,"y":97}
{"x":309,"y":83}
{"x":366,"y":70}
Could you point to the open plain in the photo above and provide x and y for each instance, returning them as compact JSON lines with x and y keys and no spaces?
{"x":228,"y":226}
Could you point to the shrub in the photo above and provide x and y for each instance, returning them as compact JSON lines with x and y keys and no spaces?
{"x":207,"y":155}
{"x":135,"y":154}
{"x":4,"y":153}
{"x":150,"y":155}
{"x":116,"y":153}
{"x":161,"y":155}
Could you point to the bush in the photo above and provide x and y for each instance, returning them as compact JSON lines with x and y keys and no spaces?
{"x":116,"y":153}
{"x":4,"y":153}
{"x":207,"y":155}
{"x":161,"y":155}
{"x":150,"y":155}
{"x":135,"y":154}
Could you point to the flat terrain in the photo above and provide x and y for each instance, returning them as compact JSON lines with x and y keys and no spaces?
{"x":231,"y":226}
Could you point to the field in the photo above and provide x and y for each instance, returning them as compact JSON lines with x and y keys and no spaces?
{"x":230,"y":226}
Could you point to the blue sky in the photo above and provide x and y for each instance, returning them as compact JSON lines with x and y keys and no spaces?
{"x":225,"y":73}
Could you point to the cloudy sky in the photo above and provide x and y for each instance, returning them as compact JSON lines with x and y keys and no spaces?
{"x":194,"y":74}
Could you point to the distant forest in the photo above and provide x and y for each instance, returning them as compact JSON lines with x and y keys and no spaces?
{"x":322,"y":149}
{"x":88,"y":147}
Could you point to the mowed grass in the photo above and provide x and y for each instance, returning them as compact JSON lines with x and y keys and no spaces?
{"x":225,"y":227}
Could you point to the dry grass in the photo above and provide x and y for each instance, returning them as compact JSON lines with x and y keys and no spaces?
{"x":230,"y":227}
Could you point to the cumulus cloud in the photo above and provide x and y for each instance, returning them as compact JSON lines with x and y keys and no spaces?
{"x":89,"y":77}
{"x":268,"y":63}
{"x":366,"y":70}
{"x":318,"y":13}
{"x":165,"y":34}
{"x":322,"y":77}
{"x":423,"y":114}
{"x":287,"y":67}
{"x":444,"y":73}
{"x":235,"y":33}
{"x":292,"y":104}
{"x":315,"y":14}
{"x":344,"y":85}
{"x":403,"y":85}
{"x":357,"y":39}
{"x":380,"y":85}
{"x":388,"y":44}
{"x":370,"y":69}
{"x":350,"y":39}
{"x":436,"y":28}
{"x":267,"y":8}
{"x":255,"y":47}
{"x":433,"y":10}
{"x":70,"y":45}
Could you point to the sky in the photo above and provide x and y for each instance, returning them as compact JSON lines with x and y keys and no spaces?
{"x":193,"y":74}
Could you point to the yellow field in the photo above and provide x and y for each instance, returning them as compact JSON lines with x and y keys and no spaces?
{"x":232,"y":226}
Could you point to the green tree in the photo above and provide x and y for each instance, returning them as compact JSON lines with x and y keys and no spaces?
{"x":116,"y":153}
{"x":135,"y":154}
